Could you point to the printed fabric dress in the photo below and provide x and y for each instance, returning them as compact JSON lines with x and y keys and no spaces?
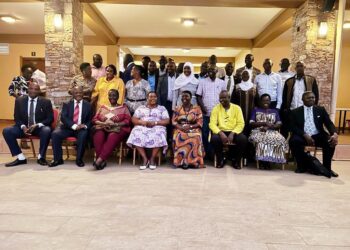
{"x":145,"y":137}
{"x":188,"y":146}
{"x":136,"y":94}
{"x":270,"y":146}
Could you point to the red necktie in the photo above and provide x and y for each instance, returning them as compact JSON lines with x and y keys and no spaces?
{"x":76,"y":114}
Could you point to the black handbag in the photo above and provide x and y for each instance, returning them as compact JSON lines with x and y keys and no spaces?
{"x":316,"y":167}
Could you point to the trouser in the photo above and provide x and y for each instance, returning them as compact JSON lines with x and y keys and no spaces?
{"x":205,"y":136}
{"x":106,"y":142}
{"x":61,"y":133}
{"x":13,"y":133}
{"x":297,"y":144}
{"x":169,"y":127}
{"x":240,"y":141}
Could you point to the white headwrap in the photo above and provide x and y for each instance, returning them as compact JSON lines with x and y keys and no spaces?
{"x":245,"y":86}
{"x":183,"y":80}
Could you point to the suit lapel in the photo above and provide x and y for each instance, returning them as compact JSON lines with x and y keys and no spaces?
{"x":71,"y":109}
{"x":25,"y":105}
{"x":83,"y":110}
{"x":37,"y":107}
{"x":315,"y":114}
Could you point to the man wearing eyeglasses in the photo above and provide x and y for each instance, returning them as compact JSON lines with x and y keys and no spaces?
{"x":227,"y":124}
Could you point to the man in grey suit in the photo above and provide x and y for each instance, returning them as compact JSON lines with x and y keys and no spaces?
{"x":165,"y":91}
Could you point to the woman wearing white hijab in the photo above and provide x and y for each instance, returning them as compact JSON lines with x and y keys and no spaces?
{"x":186,"y":81}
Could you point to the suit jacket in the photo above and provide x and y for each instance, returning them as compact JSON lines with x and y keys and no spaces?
{"x":321,"y":119}
{"x":43,"y":111}
{"x":126,"y":76}
{"x":288,"y":90}
{"x":162,"y":89}
{"x":239,"y":72}
{"x":67,"y":114}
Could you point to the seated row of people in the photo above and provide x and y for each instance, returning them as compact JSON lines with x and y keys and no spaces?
{"x":112,"y":123}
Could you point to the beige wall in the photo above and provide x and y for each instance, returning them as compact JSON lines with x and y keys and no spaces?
{"x":10,"y":67}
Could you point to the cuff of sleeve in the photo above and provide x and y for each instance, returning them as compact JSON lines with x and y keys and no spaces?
{"x":85,"y":127}
{"x":40,"y":125}
{"x":74,"y":127}
{"x":216,"y":130}
{"x":23,"y":126}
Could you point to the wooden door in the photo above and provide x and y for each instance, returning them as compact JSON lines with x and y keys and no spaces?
{"x":37,"y":62}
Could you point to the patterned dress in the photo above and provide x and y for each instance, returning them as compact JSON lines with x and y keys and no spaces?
{"x":144,"y":137}
{"x":19,"y":86}
{"x":136,"y":94}
{"x":188,"y":146}
{"x":88,"y":86}
{"x":270,"y":146}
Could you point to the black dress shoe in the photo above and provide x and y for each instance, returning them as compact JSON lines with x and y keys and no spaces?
{"x":16,"y":163}
{"x":221,"y":164}
{"x":235,"y":165}
{"x":185,"y":166}
{"x":80,"y":163}
{"x":334,"y":174}
{"x":42,"y":162}
{"x":56,"y":163}
{"x":300,"y":171}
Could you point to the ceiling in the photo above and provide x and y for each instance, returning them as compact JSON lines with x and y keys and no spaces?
{"x":155,"y":21}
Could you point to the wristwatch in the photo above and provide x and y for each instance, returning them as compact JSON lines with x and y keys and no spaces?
{"x":155,"y":123}
{"x":191,"y":126}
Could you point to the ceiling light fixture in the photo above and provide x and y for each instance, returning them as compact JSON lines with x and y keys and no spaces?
{"x":188,"y":22}
{"x":346,"y":25}
{"x":8,"y":19}
{"x":185,"y":50}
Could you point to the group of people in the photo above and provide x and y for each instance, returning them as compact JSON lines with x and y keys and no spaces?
{"x":197,"y":115}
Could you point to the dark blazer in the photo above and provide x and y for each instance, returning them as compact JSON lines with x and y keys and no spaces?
{"x":68,"y":113}
{"x":127,"y":73}
{"x":43,"y":111}
{"x":321,"y":119}
{"x":162,"y":89}
{"x":288,"y":90}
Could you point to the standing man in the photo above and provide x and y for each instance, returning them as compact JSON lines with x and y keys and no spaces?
{"x":145,"y":63}
{"x":284,"y":72}
{"x":165,"y":92}
{"x":153,"y":75}
{"x":253,"y":72}
{"x":227,"y":124}
{"x":76,"y":121}
{"x":97,"y":69}
{"x":212,"y":63}
{"x":33,"y":116}
{"x":229,"y":78}
{"x":128,"y":65}
{"x":307,"y":125}
{"x":270,"y":83}
{"x":162,"y":65}
{"x":207,"y":98}
{"x":204,"y":71}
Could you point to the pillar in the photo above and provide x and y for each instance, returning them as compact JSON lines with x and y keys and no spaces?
{"x":317,"y":53}
{"x":63,"y":47}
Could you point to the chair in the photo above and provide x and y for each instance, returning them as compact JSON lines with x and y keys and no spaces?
{"x":135,"y":152}
{"x":68,"y":142}
{"x":225,"y":149}
{"x":311,"y":149}
{"x":123,"y":150}
{"x":30,"y":138}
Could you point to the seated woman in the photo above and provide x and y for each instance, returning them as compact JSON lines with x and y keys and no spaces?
{"x":149,"y":131}
{"x":112,"y":125}
{"x":270,"y":145}
{"x":187,"y":141}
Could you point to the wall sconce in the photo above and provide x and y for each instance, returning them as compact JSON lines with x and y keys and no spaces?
{"x":58,"y":22}
{"x":322,"y":29}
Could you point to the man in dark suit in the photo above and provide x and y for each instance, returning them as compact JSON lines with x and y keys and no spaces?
{"x":165,"y":88}
{"x":229,"y":78}
{"x":307,"y":125}
{"x":253,"y":72}
{"x":128,"y":65}
{"x":76,"y":121}
{"x":33,"y":116}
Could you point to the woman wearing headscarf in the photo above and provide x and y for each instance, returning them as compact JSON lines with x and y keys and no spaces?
{"x":186,"y":81}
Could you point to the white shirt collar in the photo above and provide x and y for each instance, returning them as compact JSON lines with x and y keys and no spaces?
{"x":306,"y":107}
{"x":35,"y":99}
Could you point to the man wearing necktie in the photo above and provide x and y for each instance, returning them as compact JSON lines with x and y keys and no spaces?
{"x":307,"y":125}
{"x":76,"y":122}
{"x":33,"y":116}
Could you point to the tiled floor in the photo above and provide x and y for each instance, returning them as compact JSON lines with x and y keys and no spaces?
{"x":124,"y":208}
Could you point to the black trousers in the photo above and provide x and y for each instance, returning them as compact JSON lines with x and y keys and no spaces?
{"x":169,"y":127}
{"x":297,"y":144}
{"x":236,"y":151}
{"x":60,"y":134}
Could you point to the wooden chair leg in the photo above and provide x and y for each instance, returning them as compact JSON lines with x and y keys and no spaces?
{"x":120,"y":153}
{"x":214,"y":160}
{"x":283,"y":166}
{"x":134,"y":157}
{"x":257,"y":164}
{"x":315,"y":151}
{"x":33,"y":149}
{"x":159,"y":158}
{"x":241,"y":163}
{"x":67,"y":150}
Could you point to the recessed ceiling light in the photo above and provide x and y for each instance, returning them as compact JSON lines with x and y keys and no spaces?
{"x":346,"y":25}
{"x":8,"y":19}
{"x":185,"y":50}
{"x":188,"y":22}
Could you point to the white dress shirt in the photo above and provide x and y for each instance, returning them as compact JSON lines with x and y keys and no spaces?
{"x":285,"y":75}
{"x":298,"y":91}
{"x":34,"y":104}
{"x":171,"y":82}
{"x":74,"y":127}
{"x":227,"y":78}
{"x":270,"y":84}
{"x":309,"y":124}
